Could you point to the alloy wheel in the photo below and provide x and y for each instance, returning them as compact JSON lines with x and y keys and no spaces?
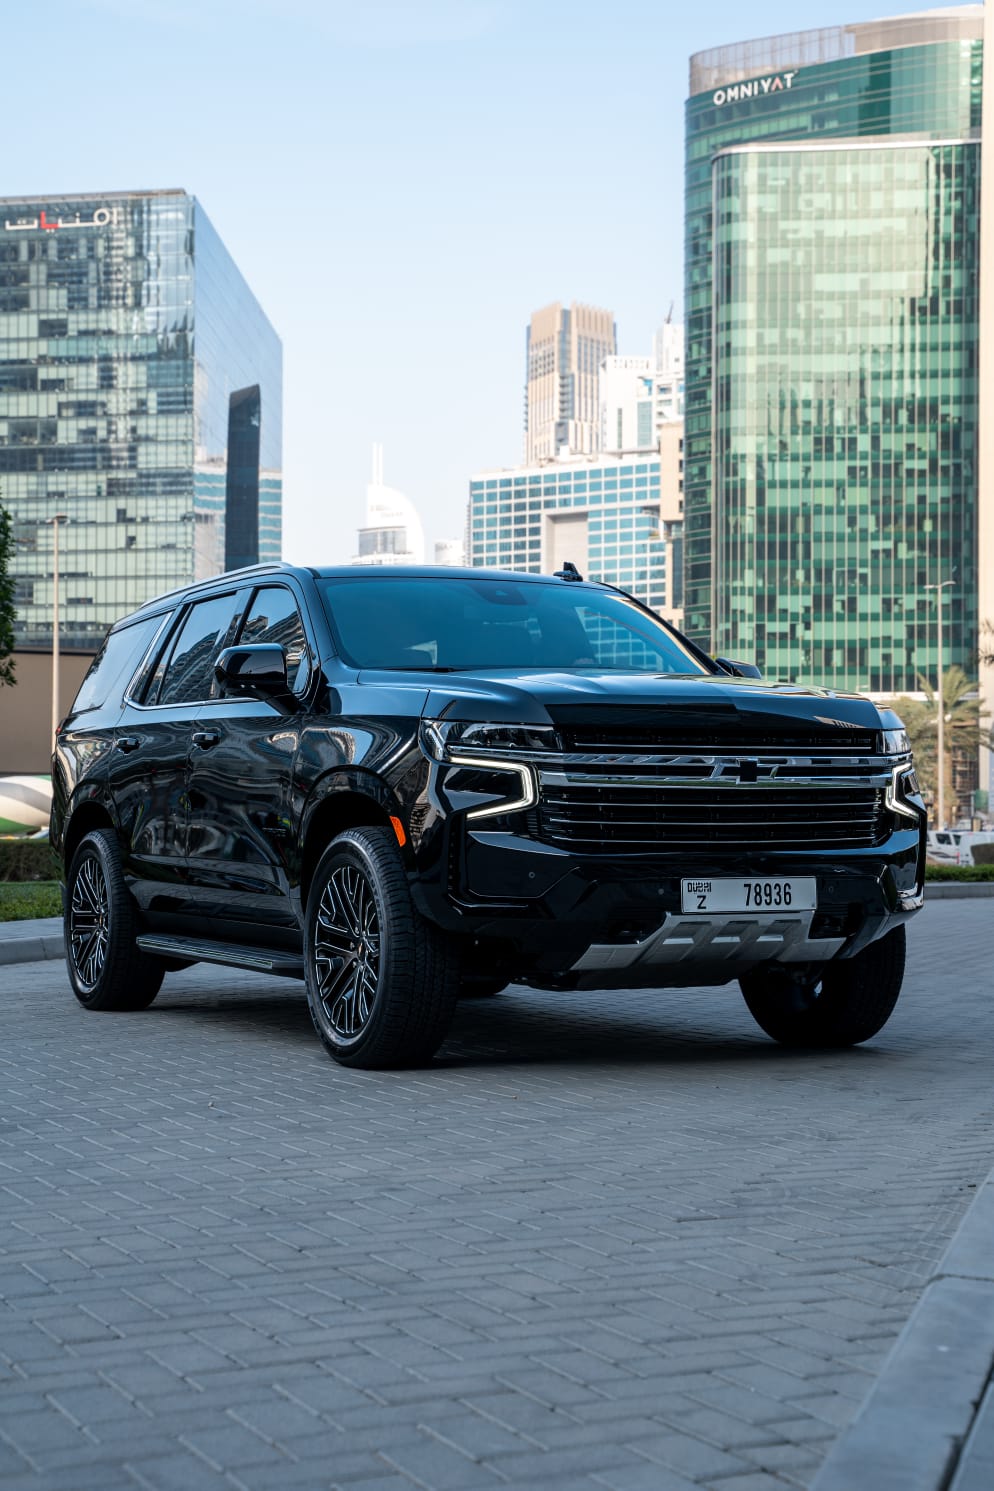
{"x":347,"y":952}
{"x":89,"y":921}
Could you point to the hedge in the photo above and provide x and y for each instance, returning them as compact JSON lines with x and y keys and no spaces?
{"x":959,"y":872}
{"x":28,"y":859}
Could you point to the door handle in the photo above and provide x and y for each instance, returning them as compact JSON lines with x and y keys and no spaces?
{"x":205,"y":739}
{"x":127,"y":743}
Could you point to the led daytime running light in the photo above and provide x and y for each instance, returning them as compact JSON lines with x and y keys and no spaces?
{"x":524,"y":773}
{"x":894,"y":801}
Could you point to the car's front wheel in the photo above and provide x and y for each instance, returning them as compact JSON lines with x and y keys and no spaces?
{"x":381,"y":982}
{"x":106,"y":969}
{"x":831,"y":1004}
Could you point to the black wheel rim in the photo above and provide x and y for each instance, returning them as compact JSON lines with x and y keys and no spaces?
{"x":89,"y":921}
{"x":346,"y":953}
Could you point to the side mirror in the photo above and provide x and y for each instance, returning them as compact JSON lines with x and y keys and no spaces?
{"x":738,"y":670}
{"x":256,"y":668}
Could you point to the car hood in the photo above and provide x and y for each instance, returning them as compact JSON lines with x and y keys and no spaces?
{"x":643,"y":700}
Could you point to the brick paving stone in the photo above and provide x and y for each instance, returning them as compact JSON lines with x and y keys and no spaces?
{"x":691,"y":1457}
{"x":430,"y":1462}
{"x":619,"y":1225}
{"x":227,"y":1446}
{"x":643,"y":1478}
{"x":780,"y":1458}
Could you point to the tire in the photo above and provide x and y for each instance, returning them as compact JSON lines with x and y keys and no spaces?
{"x":381,"y":982}
{"x":107,"y":971}
{"x":838,"y":1004}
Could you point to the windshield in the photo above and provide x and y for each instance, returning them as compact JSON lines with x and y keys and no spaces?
{"x":450,"y":623}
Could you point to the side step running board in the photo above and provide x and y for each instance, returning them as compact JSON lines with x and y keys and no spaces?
{"x":233,"y":955}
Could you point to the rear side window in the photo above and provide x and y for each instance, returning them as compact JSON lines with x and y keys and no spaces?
{"x":113,"y":667}
{"x":189,"y":675}
{"x":274,"y":617}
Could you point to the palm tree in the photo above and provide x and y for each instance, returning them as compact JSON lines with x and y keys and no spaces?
{"x":964,"y":736}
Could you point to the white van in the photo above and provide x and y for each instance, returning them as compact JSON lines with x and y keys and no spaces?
{"x":954,"y":846}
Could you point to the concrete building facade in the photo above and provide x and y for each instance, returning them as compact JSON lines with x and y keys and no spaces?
{"x":564,"y":349}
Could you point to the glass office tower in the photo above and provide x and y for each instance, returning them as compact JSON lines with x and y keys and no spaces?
{"x":140,"y":396}
{"x":831,"y":440}
{"x":616,"y":517}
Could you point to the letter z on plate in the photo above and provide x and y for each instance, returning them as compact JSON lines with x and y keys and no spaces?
{"x":728,"y":894}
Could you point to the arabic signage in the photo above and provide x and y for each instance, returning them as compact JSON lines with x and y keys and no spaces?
{"x":758,"y":88}
{"x":103,"y":217}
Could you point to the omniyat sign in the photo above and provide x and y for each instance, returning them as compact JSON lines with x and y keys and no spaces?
{"x":775,"y":83}
{"x":102,"y":218}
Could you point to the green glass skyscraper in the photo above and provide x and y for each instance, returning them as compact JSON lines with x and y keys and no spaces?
{"x":833,"y":349}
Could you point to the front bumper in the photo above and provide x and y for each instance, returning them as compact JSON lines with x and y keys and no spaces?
{"x":551,"y":917}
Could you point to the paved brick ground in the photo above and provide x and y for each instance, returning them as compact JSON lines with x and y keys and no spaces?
{"x":618,"y":1241}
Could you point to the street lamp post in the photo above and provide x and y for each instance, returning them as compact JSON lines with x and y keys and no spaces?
{"x":55,"y":521}
{"x":940,"y":740}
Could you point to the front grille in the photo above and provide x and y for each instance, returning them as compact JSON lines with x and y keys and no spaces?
{"x":738,"y":739}
{"x":617,"y":818}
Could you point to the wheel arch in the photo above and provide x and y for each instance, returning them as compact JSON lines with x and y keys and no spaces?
{"x":346,"y":804}
{"x":83,"y":820}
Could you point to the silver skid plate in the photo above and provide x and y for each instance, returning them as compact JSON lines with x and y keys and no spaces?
{"x":731,"y":937}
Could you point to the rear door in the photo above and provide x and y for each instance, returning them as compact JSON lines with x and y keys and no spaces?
{"x":152,"y":756}
{"x":85,"y":757}
{"x":240,"y":839}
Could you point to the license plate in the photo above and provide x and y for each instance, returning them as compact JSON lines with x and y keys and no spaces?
{"x":798,"y":894}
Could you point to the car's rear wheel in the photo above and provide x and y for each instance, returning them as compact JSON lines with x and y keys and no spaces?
{"x":381,"y":982}
{"x":834,"y":1004}
{"x":106,"y":969}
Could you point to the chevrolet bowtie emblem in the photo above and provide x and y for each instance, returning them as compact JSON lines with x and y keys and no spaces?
{"x":747,"y":770}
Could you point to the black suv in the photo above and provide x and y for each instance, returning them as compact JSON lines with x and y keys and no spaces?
{"x":407,"y":784}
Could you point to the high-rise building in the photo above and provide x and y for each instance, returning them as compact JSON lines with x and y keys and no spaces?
{"x":618,"y":518}
{"x":140,"y":395}
{"x":640,"y":395}
{"x":564,"y":351}
{"x":392,"y":533}
{"x":668,"y":348}
{"x":627,"y":385}
{"x":833,"y":404}
{"x":669,"y":378}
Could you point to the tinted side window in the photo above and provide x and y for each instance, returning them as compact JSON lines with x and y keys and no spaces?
{"x":273,"y":617}
{"x":190,"y":670}
{"x":112,"y":668}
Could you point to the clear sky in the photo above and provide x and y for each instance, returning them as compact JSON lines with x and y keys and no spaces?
{"x":402,"y":182}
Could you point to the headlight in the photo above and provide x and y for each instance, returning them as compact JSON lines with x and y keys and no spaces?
{"x":895,"y":743}
{"x":468,"y":744}
{"x":441,"y":738}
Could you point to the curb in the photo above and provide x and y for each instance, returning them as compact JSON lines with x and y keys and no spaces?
{"x":34,"y":948}
{"x":949,"y":890}
{"x":911,"y":1429}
